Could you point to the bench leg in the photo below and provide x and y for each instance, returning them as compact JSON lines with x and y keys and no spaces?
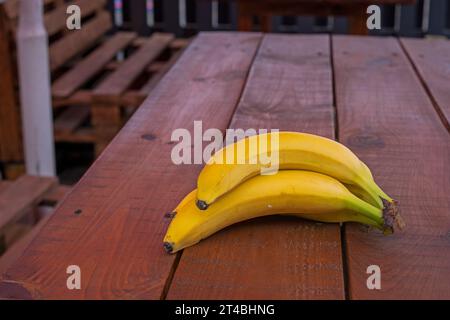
{"x":106,"y":120}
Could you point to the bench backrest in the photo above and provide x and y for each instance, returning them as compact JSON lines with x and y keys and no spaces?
{"x":66,"y":44}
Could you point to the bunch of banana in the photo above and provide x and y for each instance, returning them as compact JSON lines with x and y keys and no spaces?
{"x":319,"y":179}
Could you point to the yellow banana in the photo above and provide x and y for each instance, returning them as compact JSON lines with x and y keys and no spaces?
{"x":240,"y":161}
{"x":301,"y":193}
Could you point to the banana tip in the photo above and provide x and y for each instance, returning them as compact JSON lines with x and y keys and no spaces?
{"x":202,"y":205}
{"x":168,"y":247}
{"x":170,"y":215}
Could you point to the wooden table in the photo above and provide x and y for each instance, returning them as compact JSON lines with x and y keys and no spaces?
{"x":387,"y":99}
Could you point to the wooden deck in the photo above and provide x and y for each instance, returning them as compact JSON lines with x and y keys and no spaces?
{"x":387,"y":99}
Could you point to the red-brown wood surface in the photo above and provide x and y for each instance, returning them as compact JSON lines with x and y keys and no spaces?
{"x":386,"y":117}
{"x":432,"y":61}
{"x":289,"y":88}
{"x":112,"y":223}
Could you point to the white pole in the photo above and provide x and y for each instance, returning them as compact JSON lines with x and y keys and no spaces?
{"x":34,"y":74}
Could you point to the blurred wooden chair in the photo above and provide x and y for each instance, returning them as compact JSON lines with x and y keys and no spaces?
{"x":99,"y":77}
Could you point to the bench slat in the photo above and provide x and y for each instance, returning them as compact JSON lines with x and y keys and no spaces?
{"x":80,"y":135}
{"x":17,"y":249}
{"x":70,"y":119}
{"x":24,"y":193}
{"x":79,"y":40}
{"x":91,"y":65}
{"x":56,"y":194}
{"x":120,"y":80}
{"x":387,"y":118}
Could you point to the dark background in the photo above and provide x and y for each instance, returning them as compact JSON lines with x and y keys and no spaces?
{"x":425,"y":17}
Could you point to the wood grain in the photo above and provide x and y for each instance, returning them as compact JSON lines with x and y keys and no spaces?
{"x":289,"y":88}
{"x":112,"y":223}
{"x":431,"y":59}
{"x":386,"y":117}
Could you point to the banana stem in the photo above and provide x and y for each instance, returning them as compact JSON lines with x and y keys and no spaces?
{"x":392,"y":217}
{"x":368,"y":210}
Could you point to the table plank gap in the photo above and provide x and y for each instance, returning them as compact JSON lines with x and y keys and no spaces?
{"x":431,"y":62}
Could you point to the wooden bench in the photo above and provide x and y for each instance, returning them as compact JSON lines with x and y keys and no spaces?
{"x":22,"y":213}
{"x":93,"y":91}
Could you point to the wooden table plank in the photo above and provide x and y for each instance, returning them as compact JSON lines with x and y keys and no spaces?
{"x":432,"y":61}
{"x":5,"y":184}
{"x":112,"y":223}
{"x":91,"y":65}
{"x":289,"y":88}
{"x":386,"y":117}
